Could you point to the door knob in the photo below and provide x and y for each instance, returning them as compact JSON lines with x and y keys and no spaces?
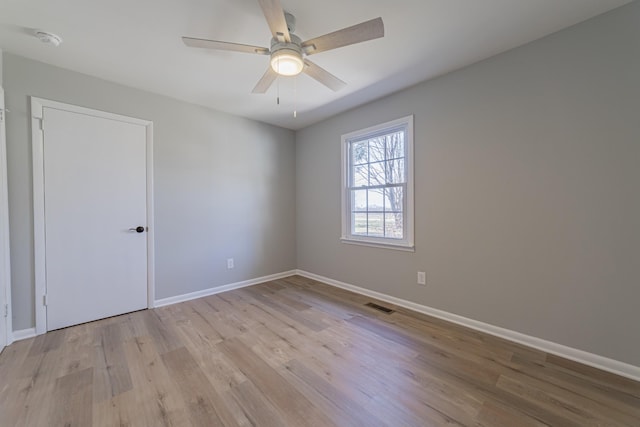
{"x":138,"y":229}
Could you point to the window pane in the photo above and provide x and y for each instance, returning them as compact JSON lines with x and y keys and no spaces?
{"x":376,"y":201}
{"x":395,"y":145}
{"x":393,"y":225}
{"x":359,"y":223}
{"x":395,"y":172}
{"x":394,"y":200}
{"x":376,"y":226}
{"x":359,"y":152}
{"x":376,"y":174}
{"x":359,"y":200}
{"x":376,"y":149}
{"x":360,"y":175}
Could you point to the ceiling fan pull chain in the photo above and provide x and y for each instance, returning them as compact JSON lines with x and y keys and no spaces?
{"x":295,"y":97}
{"x":278,"y":86}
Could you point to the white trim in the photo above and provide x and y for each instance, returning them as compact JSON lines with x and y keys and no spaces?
{"x":151,"y":258}
{"x":378,"y":245}
{"x":581,"y":356}
{"x":219,"y":289}
{"x":41,"y":102}
{"x":24,"y":334}
{"x":37,"y":142}
{"x":5,"y":262}
{"x":406,"y":244}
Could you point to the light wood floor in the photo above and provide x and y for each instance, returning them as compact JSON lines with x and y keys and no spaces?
{"x":295,"y":352}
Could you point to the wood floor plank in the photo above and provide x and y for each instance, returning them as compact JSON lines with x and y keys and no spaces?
{"x":339,"y":406}
{"x":273,"y":350}
{"x":228,"y":316}
{"x":204,"y":405}
{"x":256,"y":407}
{"x":494,"y":414}
{"x":297,"y":352}
{"x":162,"y":331}
{"x":111,"y":367}
{"x":625,"y":385}
{"x":442,"y":337}
{"x":159,"y":402}
{"x":320,"y":303}
{"x":34,"y":394}
{"x":13,"y":399}
{"x":283,"y":311}
{"x":77,"y":350}
{"x":275,"y":293}
{"x":47,"y":342}
{"x":11,"y":361}
{"x":198,"y":326}
{"x":583,"y":386}
{"x":294,"y":408}
{"x":562,"y":401}
{"x":222,"y":372}
{"x":72,"y":399}
{"x":443,"y":396}
{"x":119,"y":410}
{"x":488,"y":391}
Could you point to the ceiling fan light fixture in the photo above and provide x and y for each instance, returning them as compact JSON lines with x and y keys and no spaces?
{"x":287,"y":62}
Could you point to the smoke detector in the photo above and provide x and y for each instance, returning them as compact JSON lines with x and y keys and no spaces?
{"x":48,"y":38}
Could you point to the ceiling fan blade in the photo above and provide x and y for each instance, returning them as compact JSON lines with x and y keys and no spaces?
{"x":274,"y":13}
{"x":358,"y":33}
{"x":218,"y":45}
{"x":266,"y":81}
{"x":323,"y":76}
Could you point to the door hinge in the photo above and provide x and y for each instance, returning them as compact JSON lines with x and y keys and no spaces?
{"x":6,"y":310}
{"x":41,"y":124}
{"x":44,"y":299}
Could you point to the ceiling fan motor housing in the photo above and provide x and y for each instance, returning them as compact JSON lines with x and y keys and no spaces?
{"x":286,"y":58}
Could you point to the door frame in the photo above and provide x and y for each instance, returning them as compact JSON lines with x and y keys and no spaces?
{"x":37,"y":143}
{"x":5,"y":276}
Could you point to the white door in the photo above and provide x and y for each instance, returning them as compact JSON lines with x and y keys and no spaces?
{"x":5,"y":274}
{"x":94,"y":199}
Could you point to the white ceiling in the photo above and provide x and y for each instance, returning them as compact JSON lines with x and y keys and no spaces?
{"x":137,"y":43}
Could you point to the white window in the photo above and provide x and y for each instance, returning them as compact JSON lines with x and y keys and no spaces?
{"x":377,"y":185}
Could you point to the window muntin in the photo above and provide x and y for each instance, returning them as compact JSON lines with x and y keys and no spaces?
{"x":377,"y":185}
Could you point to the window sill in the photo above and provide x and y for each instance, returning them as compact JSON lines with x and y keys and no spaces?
{"x":395,"y":247}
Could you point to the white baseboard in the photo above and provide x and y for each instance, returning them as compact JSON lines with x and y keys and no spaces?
{"x":23,"y":334}
{"x":581,"y":356}
{"x":218,"y":289}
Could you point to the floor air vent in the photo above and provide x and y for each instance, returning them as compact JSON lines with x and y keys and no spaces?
{"x":379,"y":307}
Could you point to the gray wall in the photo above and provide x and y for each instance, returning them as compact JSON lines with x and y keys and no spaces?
{"x":224,"y":185}
{"x":527,"y":203}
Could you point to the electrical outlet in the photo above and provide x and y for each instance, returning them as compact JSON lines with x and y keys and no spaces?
{"x":229,"y":263}
{"x":422,"y":278}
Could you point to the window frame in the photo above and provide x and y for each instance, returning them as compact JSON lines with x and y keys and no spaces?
{"x":407,"y":242}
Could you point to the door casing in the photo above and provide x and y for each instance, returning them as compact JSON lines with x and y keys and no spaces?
{"x":37,"y":140}
{"x":5,"y":265}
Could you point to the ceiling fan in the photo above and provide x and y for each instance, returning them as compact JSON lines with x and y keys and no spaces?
{"x":288,"y":53}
